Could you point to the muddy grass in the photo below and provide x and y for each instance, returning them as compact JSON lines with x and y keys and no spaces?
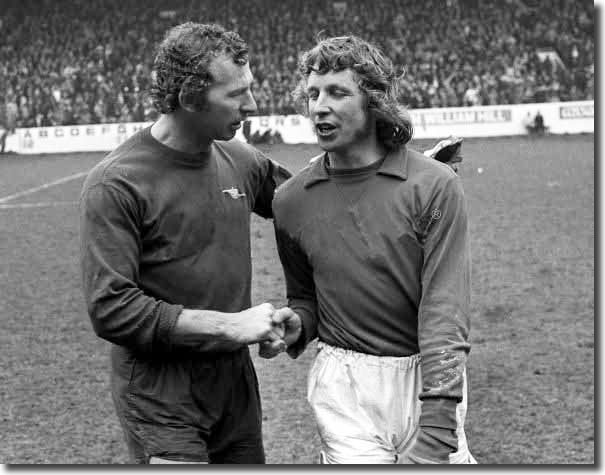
{"x":531,"y":368}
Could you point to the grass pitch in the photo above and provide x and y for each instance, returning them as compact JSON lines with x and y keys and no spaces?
{"x":531,"y":368}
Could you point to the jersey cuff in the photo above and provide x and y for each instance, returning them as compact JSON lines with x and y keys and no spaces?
{"x":308,"y":331}
{"x":167,"y":321}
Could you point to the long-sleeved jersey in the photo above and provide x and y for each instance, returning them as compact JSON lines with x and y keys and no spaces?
{"x":163,"y":230}
{"x":377,"y":260}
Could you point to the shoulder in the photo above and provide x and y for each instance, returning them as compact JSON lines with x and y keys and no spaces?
{"x":239,"y":150}
{"x":420,"y":166}
{"x":432,"y":183}
{"x":250,"y":161}
{"x":295,"y":198}
{"x":430,"y":175}
{"x":118,"y":164}
{"x":241,"y":156}
{"x":295,"y":188}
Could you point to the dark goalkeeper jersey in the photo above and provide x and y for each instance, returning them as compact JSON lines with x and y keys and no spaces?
{"x":163,"y":230}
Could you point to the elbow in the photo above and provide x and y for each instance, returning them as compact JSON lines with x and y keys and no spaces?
{"x":101,"y":325}
{"x":137,"y":327}
{"x":108,"y":323}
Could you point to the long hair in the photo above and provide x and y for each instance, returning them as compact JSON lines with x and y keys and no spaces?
{"x":377,"y":78}
{"x":182,"y":60}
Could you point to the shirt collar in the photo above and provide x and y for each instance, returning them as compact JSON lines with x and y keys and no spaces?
{"x":395,"y":164}
{"x":317,"y":171}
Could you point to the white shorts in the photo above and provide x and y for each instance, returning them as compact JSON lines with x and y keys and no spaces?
{"x":367,"y":407}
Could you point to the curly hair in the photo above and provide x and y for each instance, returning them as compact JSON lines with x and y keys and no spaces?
{"x":182,"y":60}
{"x":377,"y":78}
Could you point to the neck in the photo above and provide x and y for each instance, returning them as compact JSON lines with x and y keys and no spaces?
{"x":174,"y":131}
{"x":358,"y":158}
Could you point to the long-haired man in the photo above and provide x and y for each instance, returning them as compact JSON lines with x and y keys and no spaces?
{"x":373,"y":238}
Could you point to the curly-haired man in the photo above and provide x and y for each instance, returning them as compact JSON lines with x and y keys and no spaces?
{"x":373,"y":238}
{"x":165,"y":258}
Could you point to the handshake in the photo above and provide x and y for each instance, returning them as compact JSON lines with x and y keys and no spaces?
{"x":275,"y":329}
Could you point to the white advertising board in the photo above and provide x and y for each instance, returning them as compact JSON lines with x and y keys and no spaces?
{"x":482,"y":121}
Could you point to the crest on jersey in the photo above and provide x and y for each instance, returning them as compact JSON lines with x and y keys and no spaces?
{"x":234,"y":193}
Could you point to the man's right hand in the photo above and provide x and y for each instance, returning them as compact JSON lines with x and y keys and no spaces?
{"x":291,"y":326}
{"x":255,"y":325}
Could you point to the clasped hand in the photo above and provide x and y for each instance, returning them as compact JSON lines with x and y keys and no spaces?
{"x":286,"y":330}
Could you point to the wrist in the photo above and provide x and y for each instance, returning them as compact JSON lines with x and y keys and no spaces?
{"x":202,"y":324}
{"x":227,"y":327}
{"x":433,"y":445}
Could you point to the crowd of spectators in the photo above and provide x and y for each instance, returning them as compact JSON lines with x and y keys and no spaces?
{"x":66,"y":62}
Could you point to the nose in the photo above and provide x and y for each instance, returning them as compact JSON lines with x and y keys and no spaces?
{"x":249,"y":105}
{"x":320,"y":106}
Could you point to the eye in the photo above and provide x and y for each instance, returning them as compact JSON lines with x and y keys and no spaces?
{"x":239,"y":92}
{"x":312,"y":95}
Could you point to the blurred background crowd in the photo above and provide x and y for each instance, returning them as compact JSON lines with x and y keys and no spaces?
{"x":65,"y":62}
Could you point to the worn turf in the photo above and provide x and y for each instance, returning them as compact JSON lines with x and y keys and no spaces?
{"x":531,"y":368}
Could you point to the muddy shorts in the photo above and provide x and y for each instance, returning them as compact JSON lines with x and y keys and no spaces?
{"x":203,"y":408}
{"x":367,"y":407}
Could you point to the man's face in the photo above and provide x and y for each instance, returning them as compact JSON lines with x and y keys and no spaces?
{"x":338,"y":110}
{"x":229,"y":99}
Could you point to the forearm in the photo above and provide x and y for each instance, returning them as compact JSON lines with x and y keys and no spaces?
{"x":307,"y":311}
{"x":205,"y":331}
{"x":443,"y":341}
{"x":208,"y":330}
{"x":443,"y":362}
{"x":300,"y":288}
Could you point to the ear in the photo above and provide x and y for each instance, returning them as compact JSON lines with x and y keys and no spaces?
{"x":191,"y":98}
{"x":187,"y":101}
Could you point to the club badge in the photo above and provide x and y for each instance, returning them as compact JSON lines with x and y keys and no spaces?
{"x":234,"y":193}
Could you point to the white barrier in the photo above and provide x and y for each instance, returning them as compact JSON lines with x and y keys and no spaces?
{"x":492,"y":121}
{"x":482,"y":121}
{"x":74,"y":138}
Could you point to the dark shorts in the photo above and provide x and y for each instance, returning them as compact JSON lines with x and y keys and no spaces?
{"x":196,"y":409}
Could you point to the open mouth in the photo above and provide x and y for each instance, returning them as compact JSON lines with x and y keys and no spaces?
{"x":325,"y":129}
